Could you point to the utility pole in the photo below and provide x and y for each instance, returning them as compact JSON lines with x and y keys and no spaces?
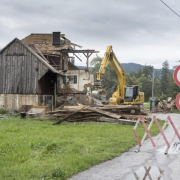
{"x":152,"y":82}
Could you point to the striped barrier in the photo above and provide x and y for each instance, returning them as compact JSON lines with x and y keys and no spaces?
{"x":147,"y":174}
{"x":147,"y":132}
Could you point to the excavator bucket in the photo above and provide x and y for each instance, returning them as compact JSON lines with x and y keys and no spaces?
{"x":99,"y":96}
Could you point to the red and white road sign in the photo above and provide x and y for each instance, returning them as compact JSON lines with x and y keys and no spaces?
{"x":178,"y":101}
{"x":176,"y":75}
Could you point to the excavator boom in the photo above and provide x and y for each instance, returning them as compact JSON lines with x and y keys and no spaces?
{"x":124,"y":94}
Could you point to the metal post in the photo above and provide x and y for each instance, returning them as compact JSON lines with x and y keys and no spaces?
{"x":88,"y":61}
{"x":152,"y":82}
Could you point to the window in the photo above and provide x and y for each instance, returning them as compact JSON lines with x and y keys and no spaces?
{"x":129,"y":92}
{"x":64,"y":79}
{"x":70,"y":79}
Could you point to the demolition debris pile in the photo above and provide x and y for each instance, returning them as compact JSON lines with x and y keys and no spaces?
{"x":124,"y":114}
{"x":165,"y":105}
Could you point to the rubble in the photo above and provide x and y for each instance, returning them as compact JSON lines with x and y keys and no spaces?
{"x":165,"y":105}
{"x":124,"y":114}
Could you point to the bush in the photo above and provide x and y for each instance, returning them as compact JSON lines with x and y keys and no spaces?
{"x":163,"y":97}
{"x":3,"y":111}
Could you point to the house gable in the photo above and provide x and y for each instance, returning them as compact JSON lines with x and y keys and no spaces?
{"x":20,"y":69}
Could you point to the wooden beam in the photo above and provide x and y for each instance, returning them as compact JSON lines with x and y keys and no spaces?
{"x":50,"y":55}
{"x":85,"y":55}
{"x":90,"y":54}
{"x":66,"y":117}
{"x":77,"y":51}
{"x":77,"y":57}
{"x":52,"y":61}
{"x":60,"y":62}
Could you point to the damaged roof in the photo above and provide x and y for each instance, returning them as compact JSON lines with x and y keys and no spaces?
{"x":44,"y":61}
{"x":44,"y":43}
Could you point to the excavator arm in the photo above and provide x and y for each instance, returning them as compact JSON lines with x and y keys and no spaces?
{"x":124,"y":94}
{"x":111,"y":57}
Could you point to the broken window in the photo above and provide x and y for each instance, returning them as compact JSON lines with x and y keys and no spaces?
{"x":70,"y":79}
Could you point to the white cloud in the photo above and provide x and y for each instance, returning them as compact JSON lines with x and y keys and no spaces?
{"x":144,"y":32}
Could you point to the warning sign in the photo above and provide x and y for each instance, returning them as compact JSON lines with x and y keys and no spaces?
{"x":178,"y":101}
{"x":176,"y":75}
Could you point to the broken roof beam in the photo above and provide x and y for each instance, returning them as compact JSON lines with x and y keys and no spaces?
{"x":78,"y":57}
{"x":77,"y":51}
{"x":76,"y":45}
{"x":89,"y":52}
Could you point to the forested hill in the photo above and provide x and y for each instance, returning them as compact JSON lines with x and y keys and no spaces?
{"x":130,"y":67}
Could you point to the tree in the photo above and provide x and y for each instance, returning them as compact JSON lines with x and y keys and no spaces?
{"x":131,"y":80}
{"x":145,"y":85}
{"x":96,"y":63}
{"x":147,"y":71}
{"x":109,"y":80}
{"x":165,"y":77}
{"x":174,"y":88}
{"x":139,"y":73}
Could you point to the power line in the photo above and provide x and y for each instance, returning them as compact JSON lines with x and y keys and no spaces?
{"x":170,"y":8}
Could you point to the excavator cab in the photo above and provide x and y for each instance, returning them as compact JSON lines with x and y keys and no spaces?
{"x":131,"y":93}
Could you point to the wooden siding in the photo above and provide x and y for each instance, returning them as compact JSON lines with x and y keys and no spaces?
{"x":20,"y":70}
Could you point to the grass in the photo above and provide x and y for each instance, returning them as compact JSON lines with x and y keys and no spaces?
{"x":31,"y":149}
{"x":175,"y":111}
{"x":146,"y":105}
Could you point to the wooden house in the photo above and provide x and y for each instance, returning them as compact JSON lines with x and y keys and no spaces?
{"x":40,"y":64}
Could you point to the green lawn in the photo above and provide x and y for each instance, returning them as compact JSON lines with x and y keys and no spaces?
{"x":31,"y":149}
{"x":146,"y":105}
{"x":175,"y":111}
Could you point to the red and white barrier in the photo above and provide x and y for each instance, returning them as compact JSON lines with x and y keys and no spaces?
{"x":147,"y":173}
{"x":147,"y":132}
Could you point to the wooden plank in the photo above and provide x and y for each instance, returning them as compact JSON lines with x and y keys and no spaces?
{"x":72,"y":107}
{"x":118,"y":107}
{"x":66,"y":117}
{"x":103,"y":112}
{"x":59,"y":115}
{"x":70,"y":110}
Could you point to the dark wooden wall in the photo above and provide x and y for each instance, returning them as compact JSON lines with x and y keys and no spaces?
{"x":46,"y":84}
{"x":20,"y":70}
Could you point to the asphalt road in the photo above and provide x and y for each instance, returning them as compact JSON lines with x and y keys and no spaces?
{"x":149,"y":163}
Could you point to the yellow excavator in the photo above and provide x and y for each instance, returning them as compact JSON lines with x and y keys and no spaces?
{"x":125,"y":94}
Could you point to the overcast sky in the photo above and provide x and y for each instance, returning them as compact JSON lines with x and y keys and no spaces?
{"x":140,"y":31}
